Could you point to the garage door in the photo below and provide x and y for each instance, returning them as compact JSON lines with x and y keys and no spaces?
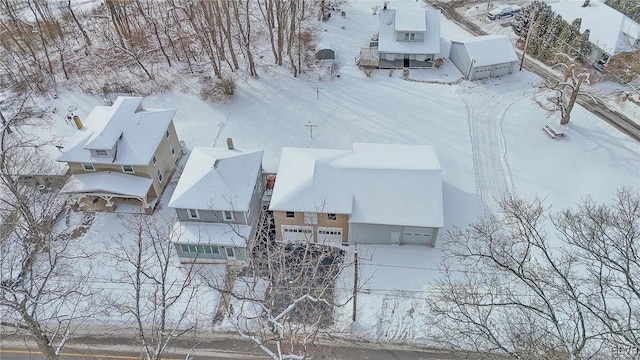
{"x":296,"y":233}
{"x":329,"y":234}
{"x":482,"y":72}
{"x":501,"y":69}
{"x":416,"y":235}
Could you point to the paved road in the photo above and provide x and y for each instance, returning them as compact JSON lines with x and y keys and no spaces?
{"x":220,"y":347}
{"x":600,"y":109}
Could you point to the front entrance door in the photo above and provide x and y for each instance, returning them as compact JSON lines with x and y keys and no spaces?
{"x":406,"y":60}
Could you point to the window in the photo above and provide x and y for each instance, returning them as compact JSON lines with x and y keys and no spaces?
{"x":154,"y":160}
{"x":200,"y":249}
{"x":173,"y":149}
{"x":101,"y":153}
{"x":230,"y":253}
{"x":193,"y":214}
{"x":409,"y":36}
{"x":332,"y":217}
{"x":227,"y":215}
{"x":167,"y":134}
{"x":88,"y":167}
{"x":127,"y":169}
{"x":290,"y":214}
{"x":160,"y":177}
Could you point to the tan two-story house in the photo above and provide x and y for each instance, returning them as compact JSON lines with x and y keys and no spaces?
{"x":121,"y":154}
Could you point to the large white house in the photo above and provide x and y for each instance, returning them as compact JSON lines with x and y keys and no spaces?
{"x":372,"y":193}
{"x":610,"y":31}
{"x":484,"y":56}
{"x":408,"y":37}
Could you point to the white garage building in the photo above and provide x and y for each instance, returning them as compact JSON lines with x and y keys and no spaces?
{"x":484,"y":56}
{"x":373,"y":193}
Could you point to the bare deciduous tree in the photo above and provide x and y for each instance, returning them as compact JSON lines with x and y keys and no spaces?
{"x":45,"y":292}
{"x":161,"y":296}
{"x":285,"y":295}
{"x":565,"y":92}
{"x":509,"y":287}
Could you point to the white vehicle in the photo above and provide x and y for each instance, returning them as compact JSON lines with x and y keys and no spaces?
{"x":503,"y":11}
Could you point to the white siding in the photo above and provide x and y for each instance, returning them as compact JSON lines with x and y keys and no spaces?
{"x":371,"y":233}
{"x":458,"y":55}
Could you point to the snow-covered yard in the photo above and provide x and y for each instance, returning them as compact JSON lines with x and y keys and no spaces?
{"x":487,"y":135}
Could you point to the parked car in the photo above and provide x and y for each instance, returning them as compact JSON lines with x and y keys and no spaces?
{"x":503,"y":11}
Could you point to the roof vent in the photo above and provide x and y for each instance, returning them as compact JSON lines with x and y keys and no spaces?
{"x":230,"y":143}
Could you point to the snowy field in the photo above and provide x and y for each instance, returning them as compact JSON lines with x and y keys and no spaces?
{"x":487,"y":135}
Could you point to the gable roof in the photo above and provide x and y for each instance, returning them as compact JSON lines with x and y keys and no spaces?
{"x":489,"y":50}
{"x":410,"y":20}
{"x":373,"y":183}
{"x":217,"y":179}
{"x":390,"y":23}
{"x":134,"y":131}
{"x":606,"y":25}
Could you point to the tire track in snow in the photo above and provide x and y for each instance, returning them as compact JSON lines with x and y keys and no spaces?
{"x":490,"y":167}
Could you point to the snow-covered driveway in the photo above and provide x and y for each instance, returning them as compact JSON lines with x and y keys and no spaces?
{"x":486,"y":103}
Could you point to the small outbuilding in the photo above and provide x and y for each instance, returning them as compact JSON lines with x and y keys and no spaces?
{"x":484,"y":56}
{"x":325,"y":54}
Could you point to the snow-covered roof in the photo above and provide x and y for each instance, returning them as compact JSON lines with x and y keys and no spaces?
{"x":410,"y":20}
{"x":374,"y":183}
{"x":390,"y":23}
{"x":606,"y":24}
{"x":107,"y":182}
{"x":489,"y":50}
{"x":135,"y":132}
{"x":217,"y":179}
{"x":194,"y":232}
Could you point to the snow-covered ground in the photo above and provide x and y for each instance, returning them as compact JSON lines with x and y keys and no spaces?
{"x":487,"y":135}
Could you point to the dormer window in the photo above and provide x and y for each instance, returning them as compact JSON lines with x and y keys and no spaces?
{"x":409,"y":36}
{"x":88,"y":167}
{"x":102,"y":153}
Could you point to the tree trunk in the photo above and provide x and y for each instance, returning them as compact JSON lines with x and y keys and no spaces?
{"x":572,"y":100}
{"x":87,"y":40}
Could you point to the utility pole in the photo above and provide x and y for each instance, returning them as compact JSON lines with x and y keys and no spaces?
{"x":317,"y":92}
{"x":532,"y":17}
{"x":355,"y":282}
{"x":311,"y":127}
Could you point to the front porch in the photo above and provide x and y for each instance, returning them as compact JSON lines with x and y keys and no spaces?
{"x":90,"y":203}
{"x":109,"y":191}
{"x":399,"y":64}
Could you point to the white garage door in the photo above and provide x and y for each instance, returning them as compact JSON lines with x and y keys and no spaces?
{"x":501,"y":69}
{"x":416,"y":235}
{"x":482,"y":72}
{"x":329,"y":234}
{"x":297,"y":233}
